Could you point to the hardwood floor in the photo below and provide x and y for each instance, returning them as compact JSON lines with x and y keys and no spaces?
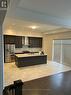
{"x":58,"y":84}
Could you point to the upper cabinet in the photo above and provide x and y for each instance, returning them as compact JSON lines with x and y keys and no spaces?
{"x":17,"y":40}
{"x":35,"y":42}
{"x":9,"y":39}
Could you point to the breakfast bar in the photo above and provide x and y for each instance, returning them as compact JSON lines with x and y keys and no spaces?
{"x":22,"y":60}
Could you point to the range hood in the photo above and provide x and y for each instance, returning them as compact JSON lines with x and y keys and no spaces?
{"x":25,"y":41}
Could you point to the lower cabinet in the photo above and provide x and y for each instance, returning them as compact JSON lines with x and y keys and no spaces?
{"x":12,"y":58}
{"x":30,"y":60}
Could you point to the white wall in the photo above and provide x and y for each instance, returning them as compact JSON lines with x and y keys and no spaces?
{"x":1,"y":61}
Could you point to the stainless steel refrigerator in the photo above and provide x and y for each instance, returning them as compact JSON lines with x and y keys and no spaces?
{"x":9,"y":50}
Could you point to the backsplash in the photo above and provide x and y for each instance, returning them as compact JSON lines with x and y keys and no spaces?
{"x":26,"y":48}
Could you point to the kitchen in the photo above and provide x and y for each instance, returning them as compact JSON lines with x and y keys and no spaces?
{"x":36,"y":29}
{"x":32,"y":42}
{"x":24,"y":38}
{"x":18,"y":45}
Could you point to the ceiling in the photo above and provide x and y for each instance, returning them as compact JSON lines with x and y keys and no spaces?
{"x":48,"y":15}
{"x":26,"y":25}
{"x":57,"y":8}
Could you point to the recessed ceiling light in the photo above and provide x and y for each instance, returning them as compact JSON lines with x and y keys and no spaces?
{"x":33,"y":27}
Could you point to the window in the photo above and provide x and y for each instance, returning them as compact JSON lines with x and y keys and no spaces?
{"x":62,"y":51}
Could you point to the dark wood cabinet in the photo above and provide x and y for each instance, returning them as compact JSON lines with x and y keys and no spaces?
{"x":18,"y":42}
{"x":10,"y":39}
{"x":35,"y":42}
{"x":30,"y":60}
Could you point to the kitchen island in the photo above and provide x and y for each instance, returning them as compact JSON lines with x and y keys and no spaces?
{"x":22,"y":60}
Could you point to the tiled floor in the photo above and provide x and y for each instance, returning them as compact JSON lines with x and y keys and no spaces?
{"x":12,"y":73}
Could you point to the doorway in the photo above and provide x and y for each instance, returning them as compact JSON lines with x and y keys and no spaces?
{"x":62,"y":51}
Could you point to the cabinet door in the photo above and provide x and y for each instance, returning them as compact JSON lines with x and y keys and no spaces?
{"x":12,"y":39}
{"x":35,"y":42}
{"x":18,"y":42}
{"x":8,"y":39}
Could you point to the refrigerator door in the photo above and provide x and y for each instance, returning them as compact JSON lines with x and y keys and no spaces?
{"x":12,"y":48}
{"x":9,"y":50}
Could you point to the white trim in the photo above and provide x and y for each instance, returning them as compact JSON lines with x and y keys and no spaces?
{"x":61,"y":52}
{"x":53,"y":51}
